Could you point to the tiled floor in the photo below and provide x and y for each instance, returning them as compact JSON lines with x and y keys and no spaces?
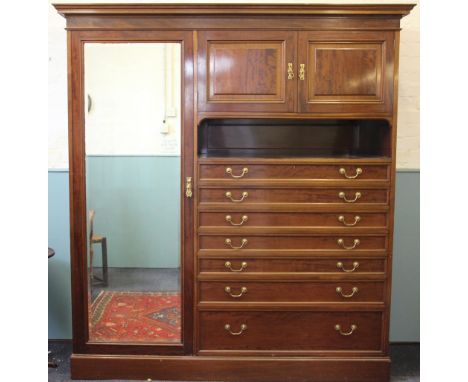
{"x":405,"y":362}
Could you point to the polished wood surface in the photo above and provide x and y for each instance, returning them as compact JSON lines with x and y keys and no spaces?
{"x":294,"y":135}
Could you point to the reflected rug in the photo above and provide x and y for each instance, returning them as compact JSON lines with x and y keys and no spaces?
{"x":135,"y":317}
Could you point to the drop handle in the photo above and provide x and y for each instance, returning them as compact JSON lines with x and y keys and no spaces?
{"x":245,"y":170}
{"x":290,"y":71}
{"x":188,"y":187}
{"x":342,"y":244}
{"x":354,"y":291}
{"x":244,"y":219}
{"x":228,"y":290}
{"x":302,"y":72}
{"x":228,"y":195}
{"x":228,"y":265}
{"x":342,"y":171}
{"x":353,"y":328}
{"x":340,"y":265}
{"x":229,"y":243}
{"x":342,"y":219}
{"x":243,"y":328}
{"x":342,"y":195}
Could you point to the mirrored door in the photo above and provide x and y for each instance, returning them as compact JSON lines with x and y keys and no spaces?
{"x":133,"y":114}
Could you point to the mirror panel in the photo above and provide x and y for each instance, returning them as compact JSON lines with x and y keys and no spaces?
{"x":133,"y":191}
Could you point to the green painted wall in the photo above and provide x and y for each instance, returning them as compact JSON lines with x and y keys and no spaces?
{"x":137,"y":205}
{"x":405,"y":293}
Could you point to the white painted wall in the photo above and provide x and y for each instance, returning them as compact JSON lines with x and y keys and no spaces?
{"x":408,"y":118}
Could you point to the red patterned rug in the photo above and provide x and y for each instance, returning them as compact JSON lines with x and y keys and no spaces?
{"x":135,"y":317}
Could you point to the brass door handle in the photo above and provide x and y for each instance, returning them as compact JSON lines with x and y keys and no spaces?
{"x":228,"y":265}
{"x":188,"y":187}
{"x":229,"y":242}
{"x":243,"y":328}
{"x":244,"y":195}
{"x":342,"y":195}
{"x":342,"y":244}
{"x":302,"y":72}
{"x":339,"y":290}
{"x":341,"y":266}
{"x":290,"y":71}
{"x":245,"y":170}
{"x":228,"y":291}
{"x":342,"y":171}
{"x":342,"y":219}
{"x":243,"y":220}
{"x":338,"y":329}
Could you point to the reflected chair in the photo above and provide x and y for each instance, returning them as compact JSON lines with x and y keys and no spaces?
{"x":96,"y":239}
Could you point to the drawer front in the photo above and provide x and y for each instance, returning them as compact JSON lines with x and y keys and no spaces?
{"x":341,"y":265}
{"x":323,"y":291}
{"x":278,"y":219}
{"x":293,"y":171}
{"x":344,"y":243}
{"x":342,"y":195}
{"x":290,"y":330}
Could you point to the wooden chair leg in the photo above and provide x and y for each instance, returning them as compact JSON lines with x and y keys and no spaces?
{"x":91,"y":256}
{"x":104,"y":261}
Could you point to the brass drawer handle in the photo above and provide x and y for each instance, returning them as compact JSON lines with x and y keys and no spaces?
{"x":188,"y":187}
{"x":243,"y":220}
{"x":343,"y":172}
{"x":228,"y":291}
{"x":342,"y":244}
{"x":245,"y":170}
{"x":342,"y":195}
{"x":243,"y":328}
{"x":228,"y":265}
{"x":339,"y":290}
{"x":338,"y":329}
{"x":243,"y":243}
{"x":290,"y":71}
{"x":340,"y":266}
{"x":342,"y":219}
{"x":244,"y":195}
{"x":302,"y":72}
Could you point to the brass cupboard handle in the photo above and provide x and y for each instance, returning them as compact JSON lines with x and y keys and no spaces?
{"x":245,"y":170}
{"x":243,"y":220}
{"x":302,"y":72}
{"x":342,"y":171}
{"x":342,"y":219}
{"x":290,"y":71}
{"x":340,"y":265}
{"x":342,"y":195}
{"x":188,"y":187}
{"x":342,"y":244}
{"x":243,"y":243}
{"x":338,"y":329}
{"x":339,"y":290}
{"x":228,"y":265}
{"x":229,"y":196}
{"x":243,"y":328}
{"x":228,"y":291}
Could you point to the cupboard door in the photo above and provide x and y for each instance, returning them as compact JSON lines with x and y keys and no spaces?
{"x":247,"y":71}
{"x":348,"y":72}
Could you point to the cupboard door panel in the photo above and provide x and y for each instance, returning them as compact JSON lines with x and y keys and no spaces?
{"x":346,"y":73}
{"x":246,"y":71}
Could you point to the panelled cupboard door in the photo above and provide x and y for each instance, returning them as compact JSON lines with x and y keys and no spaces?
{"x":345,"y":72}
{"x":247,"y":71}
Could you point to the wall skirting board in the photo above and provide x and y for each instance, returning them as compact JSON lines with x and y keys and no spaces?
{"x":405,"y":294}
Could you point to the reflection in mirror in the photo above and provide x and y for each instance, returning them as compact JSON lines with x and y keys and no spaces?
{"x":132,"y":134}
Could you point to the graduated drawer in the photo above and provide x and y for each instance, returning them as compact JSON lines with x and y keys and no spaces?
{"x":246,"y":195}
{"x":342,"y":265}
{"x":334,"y":242}
{"x":291,"y":330}
{"x":248,"y":170}
{"x":284,"y":219}
{"x":305,"y":291}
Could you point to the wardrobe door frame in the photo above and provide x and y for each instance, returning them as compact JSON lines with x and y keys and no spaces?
{"x":77,"y":177}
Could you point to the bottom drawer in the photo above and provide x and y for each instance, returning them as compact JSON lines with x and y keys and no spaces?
{"x":306,"y":330}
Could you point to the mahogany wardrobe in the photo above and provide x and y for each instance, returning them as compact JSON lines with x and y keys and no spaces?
{"x":232,"y":190}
